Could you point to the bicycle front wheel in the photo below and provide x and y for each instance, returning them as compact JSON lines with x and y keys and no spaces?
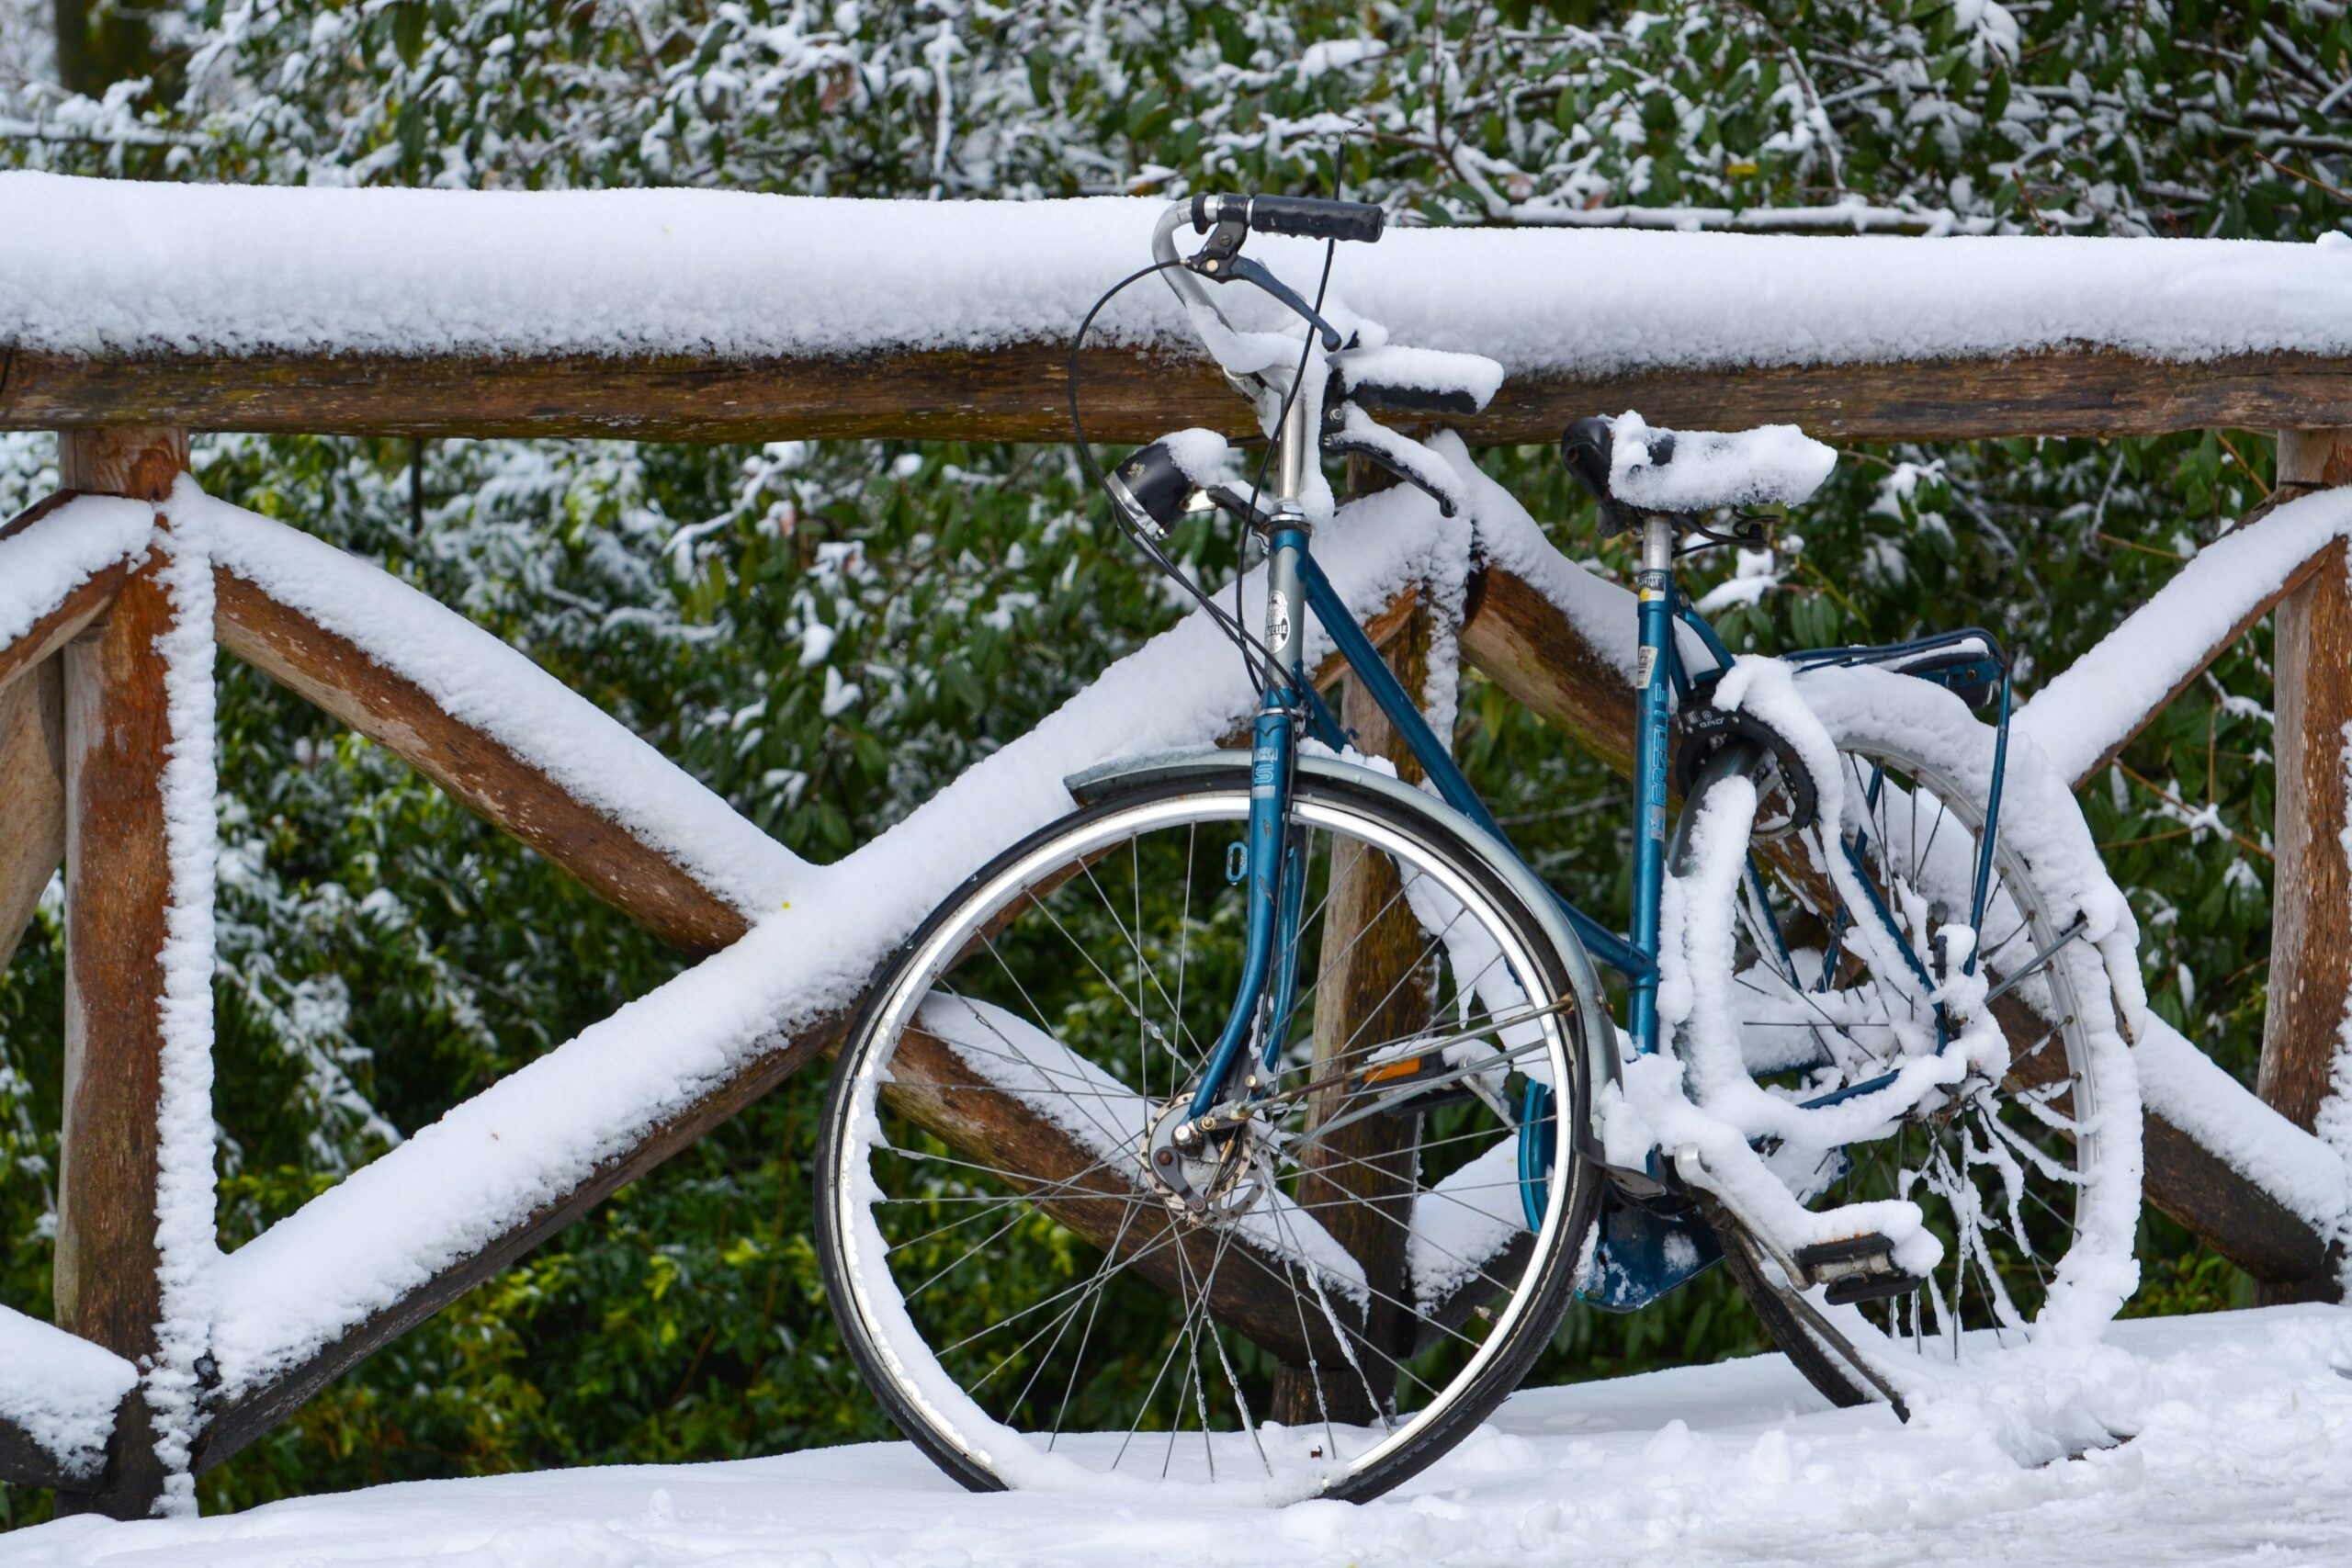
{"x":1318,"y":1304}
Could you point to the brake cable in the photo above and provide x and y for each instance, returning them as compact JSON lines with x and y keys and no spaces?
{"x":1274,"y":442}
{"x":1254,"y":652}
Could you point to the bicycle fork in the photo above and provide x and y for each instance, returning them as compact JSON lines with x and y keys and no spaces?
{"x":1275,"y":882}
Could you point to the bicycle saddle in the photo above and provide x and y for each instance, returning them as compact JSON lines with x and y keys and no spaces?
{"x":1633,"y":469}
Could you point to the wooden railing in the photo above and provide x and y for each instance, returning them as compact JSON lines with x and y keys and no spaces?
{"x":1018,"y":391}
{"x":83,"y":730}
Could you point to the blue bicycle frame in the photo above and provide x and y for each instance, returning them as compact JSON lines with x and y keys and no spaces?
{"x":1641,"y":1265}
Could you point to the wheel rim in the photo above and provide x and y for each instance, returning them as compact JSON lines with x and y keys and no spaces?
{"x":2002,"y":1172}
{"x":1047,"y":1317}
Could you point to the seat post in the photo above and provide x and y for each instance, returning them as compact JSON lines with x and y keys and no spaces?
{"x":1655,"y":586}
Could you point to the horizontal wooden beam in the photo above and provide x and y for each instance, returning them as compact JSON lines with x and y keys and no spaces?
{"x":479,"y":771}
{"x":23,"y":1463}
{"x":1019,"y":392}
{"x":240,"y":1421}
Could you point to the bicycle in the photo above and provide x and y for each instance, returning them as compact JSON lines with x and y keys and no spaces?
{"x":1252,"y":1127}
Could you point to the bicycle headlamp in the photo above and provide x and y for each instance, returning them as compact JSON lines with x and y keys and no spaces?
{"x":1152,"y":487}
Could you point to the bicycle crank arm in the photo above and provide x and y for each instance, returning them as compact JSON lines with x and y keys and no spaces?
{"x":1732,"y":1233}
{"x":1733,"y":1228}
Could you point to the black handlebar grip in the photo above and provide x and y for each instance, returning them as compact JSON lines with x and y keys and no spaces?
{"x":1308,"y":216}
{"x":1314,"y":218}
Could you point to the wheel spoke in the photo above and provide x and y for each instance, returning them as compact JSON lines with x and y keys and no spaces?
{"x":1984,"y":1162}
{"x":1048,"y":1270}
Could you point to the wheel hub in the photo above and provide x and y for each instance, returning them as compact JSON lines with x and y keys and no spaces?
{"x":1204,"y":1177}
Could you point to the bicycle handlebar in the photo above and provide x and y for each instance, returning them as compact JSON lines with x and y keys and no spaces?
{"x":1305,"y":217}
{"x":1308,"y":216}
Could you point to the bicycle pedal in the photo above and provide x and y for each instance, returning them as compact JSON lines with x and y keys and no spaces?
{"x":1855,"y":1268}
{"x":1856,"y":1288}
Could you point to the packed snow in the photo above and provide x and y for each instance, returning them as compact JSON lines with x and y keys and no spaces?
{"x":1423,"y":370}
{"x":60,"y":1390}
{"x":2218,"y":1439}
{"x":90,"y":266}
{"x":1203,"y":457}
{"x":1699,"y":470}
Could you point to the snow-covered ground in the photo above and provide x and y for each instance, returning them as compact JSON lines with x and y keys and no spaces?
{"x":2220,"y":1439}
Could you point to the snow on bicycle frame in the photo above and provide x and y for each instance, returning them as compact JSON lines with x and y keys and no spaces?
{"x":1675,"y":1153}
{"x":1655,"y":483}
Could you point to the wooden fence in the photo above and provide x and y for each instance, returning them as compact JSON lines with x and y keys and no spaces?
{"x":83,"y":725}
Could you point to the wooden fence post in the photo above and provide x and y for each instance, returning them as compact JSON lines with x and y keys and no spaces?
{"x":33,"y":795}
{"x":108,"y":1287}
{"x":2310,"y":901}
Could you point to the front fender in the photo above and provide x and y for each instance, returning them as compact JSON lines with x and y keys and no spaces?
{"x":1216,"y":765}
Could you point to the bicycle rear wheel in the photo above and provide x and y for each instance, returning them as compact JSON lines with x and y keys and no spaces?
{"x":1319,"y":1305}
{"x":2026,"y":1169}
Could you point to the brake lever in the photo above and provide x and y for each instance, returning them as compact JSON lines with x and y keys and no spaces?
{"x":1249,"y":269}
{"x":1234,"y":503}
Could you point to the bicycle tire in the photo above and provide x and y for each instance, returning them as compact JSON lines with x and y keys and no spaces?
{"x":924,"y":1378}
{"x":2061,"y":1139}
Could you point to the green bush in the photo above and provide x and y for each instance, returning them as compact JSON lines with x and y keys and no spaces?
{"x":384,"y":955}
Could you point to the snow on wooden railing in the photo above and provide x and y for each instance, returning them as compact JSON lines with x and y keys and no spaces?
{"x":698,"y":315}
{"x":2088,"y":712}
{"x":685,"y":315}
{"x":491,"y":726}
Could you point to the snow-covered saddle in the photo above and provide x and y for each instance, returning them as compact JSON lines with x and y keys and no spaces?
{"x":1634,"y":470}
